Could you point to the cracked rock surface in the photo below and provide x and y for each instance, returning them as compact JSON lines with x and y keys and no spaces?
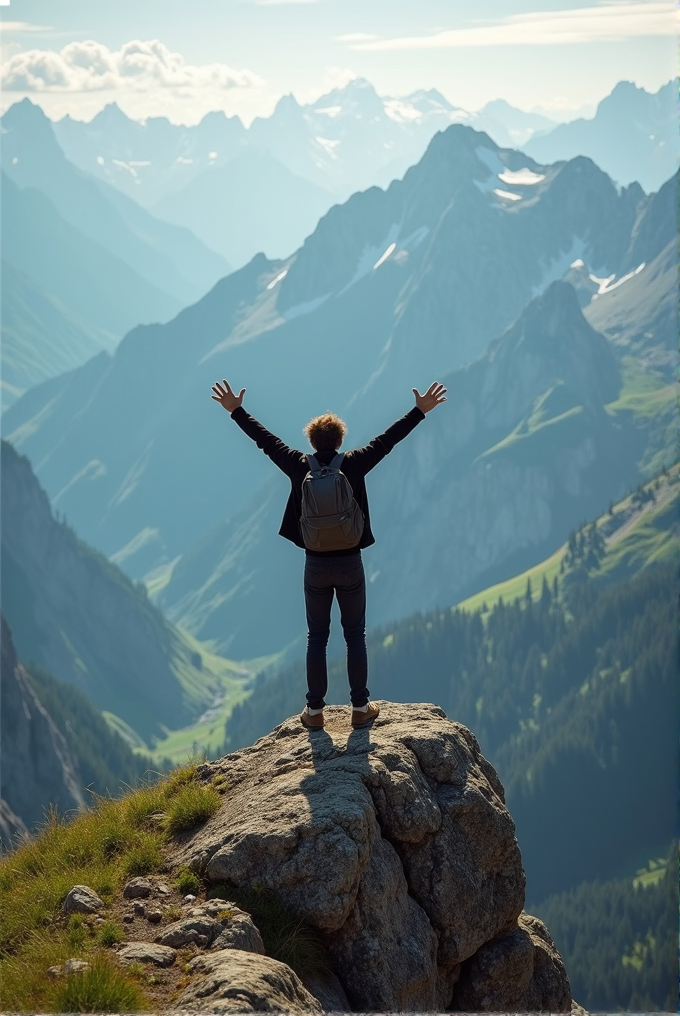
{"x":394,"y":842}
{"x":236,"y":982}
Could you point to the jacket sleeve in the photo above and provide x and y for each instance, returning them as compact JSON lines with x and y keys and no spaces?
{"x":371,"y":454}
{"x":287,"y":459}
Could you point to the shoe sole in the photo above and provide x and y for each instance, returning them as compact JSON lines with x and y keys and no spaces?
{"x":366,"y":723}
{"x":309,"y":726}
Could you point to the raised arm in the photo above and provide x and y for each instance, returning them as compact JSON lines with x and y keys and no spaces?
{"x":281,"y":455}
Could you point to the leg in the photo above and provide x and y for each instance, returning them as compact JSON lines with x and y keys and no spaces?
{"x":350,"y":588}
{"x":318,"y":602}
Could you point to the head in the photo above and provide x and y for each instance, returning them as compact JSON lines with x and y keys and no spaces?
{"x":327,"y":431}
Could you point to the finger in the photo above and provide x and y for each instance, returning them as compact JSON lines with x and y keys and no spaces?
{"x":226,"y":385}
{"x":241,"y":393}
{"x":430,"y":390}
{"x":218,"y":390}
{"x":416,"y":393}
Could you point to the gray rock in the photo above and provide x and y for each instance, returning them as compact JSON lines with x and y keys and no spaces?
{"x":139,"y":908}
{"x":137,"y":889}
{"x":231,"y":981}
{"x":147,"y":952}
{"x":394,"y":842}
{"x":217,"y":923}
{"x":54,"y":972}
{"x":154,"y":916}
{"x":76,"y":966}
{"x":326,"y":988}
{"x":82,"y":900}
{"x":128,"y":918}
{"x":520,"y":971}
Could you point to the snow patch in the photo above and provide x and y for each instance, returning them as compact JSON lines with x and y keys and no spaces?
{"x":608,"y":284}
{"x":330,"y":111}
{"x":402,"y":112}
{"x":212,"y":155}
{"x":184,"y":162}
{"x":125,"y":165}
{"x":100,"y":161}
{"x":520,"y":177}
{"x":306,"y":307}
{"x":578,"y":263}
{"x":281,"y":275}
{"x":385,"y":256}
{"x":507,"y":194}
{"x":329,"y":145}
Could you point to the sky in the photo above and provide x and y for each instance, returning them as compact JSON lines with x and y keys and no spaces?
{"x":183,"y":59}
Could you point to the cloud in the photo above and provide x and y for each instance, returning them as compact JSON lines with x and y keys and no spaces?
{"x":608,"y":21}
{"x":90,"y":66}
{"x":23,"y":26}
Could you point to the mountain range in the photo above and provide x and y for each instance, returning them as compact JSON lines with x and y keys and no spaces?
{"x":83,"y":263}
{"x":633,"y":136}
{"x":304,"y":157}
{"x":389,"y":291}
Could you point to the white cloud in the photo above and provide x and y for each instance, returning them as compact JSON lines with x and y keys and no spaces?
{"x":607,"y":21}
{"x":90,"y":66}
{"x":23,"y":26}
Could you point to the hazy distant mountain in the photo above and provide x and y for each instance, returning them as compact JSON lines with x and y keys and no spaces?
{"x":40,"y":337}
{"x":633,"y":136}
{"x":392,"y":289}
{"x":251,"y":204}
{"x":510,"y":127}
{"x":169,"y":258}
{"x":74,"y":613}
{"x":150,"y":158}
{"x":95,"y":286}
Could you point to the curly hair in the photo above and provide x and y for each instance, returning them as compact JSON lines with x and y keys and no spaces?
{"x":327,"y":431}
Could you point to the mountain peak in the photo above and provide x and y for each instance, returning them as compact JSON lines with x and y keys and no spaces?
{"x":24,"y":112}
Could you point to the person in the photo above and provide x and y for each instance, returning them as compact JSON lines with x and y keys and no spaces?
{"x":340,"y":571}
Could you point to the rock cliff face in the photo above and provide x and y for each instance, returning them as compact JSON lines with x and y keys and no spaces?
{"x":396,"y":845}
{"x":37,"y":768}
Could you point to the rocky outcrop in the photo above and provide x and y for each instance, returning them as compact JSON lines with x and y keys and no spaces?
{"x":395,"y":844}
{"x":37,"y":768}
{"x":236,"y":982}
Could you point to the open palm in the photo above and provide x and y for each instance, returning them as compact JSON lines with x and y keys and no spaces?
{"x":434,"y":396}
{"x":226,"y":397}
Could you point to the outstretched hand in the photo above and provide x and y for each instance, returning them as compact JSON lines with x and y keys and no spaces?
{"x":434,"y":396}
{"x":226,"y":397}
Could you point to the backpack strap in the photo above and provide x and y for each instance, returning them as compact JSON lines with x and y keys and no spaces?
{"x":314,"y":464}
{"x":336,"y":463}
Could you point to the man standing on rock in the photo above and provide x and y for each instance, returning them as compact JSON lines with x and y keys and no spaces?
{"x":327,"y":516}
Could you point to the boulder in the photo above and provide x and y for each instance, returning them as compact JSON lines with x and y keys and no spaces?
{"x":520,"y":971}
{"x":82,"y":900}
{"x":138,"y":889}
{"x":394,"y":842}
{"x":147,"y":952}
{"x":219,"y":924}
{"x":232,"y":981}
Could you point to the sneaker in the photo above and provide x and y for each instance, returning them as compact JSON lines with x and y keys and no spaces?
{"x":311,"y":722}
{"x":364,"y":717}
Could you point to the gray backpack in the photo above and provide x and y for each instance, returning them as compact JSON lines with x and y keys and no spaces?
{"x":331,"y":518}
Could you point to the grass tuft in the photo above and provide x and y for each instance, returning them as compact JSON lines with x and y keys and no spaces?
{"x":110,"y":933}
{"x":104,"y":987}
{"x":146,"y":856}
{"x":192,"y":804}
{"x":187,"y":882}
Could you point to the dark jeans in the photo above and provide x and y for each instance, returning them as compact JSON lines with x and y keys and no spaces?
{"x":344,"y":575}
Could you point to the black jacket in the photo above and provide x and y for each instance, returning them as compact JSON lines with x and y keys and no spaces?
{"x":355,"y":466}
